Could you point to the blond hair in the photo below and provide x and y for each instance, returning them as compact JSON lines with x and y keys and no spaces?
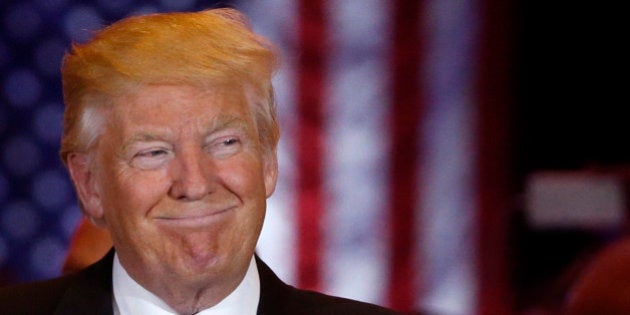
{"x":207,"y":48}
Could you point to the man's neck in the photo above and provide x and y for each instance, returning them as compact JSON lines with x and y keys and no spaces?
{"x":129,"y":295}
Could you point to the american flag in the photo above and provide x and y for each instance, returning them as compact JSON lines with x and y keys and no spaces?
{"x":379,"y":156}
{"x":387,"y":115}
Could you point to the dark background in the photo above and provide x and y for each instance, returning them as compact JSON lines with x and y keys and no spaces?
{"x":569,"y":76}
{"x":570,"y":113}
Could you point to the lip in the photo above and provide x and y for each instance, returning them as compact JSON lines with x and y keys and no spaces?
{"x":195,"y":218}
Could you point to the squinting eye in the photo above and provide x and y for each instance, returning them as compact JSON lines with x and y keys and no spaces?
{"x":151,"y":159}
{"x":152,"y":153}
{"x":225,"y":147}
{"x":230,"y":141}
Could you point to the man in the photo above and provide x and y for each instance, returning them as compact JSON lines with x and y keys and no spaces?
{"x":170,"y":139}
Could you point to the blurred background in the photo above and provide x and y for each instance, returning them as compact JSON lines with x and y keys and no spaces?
{"x":437,"y":156}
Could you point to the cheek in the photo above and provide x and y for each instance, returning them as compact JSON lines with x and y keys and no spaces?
{"x":134,"y":193}
{"x":244,"y":177}
{"x":246,"y":181}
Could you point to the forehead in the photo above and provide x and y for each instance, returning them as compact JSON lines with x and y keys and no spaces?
{"x":179,"y":105}
{"x":178,"y":98}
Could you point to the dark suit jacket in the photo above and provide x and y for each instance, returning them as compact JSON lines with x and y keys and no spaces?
{"x":90,"y":292}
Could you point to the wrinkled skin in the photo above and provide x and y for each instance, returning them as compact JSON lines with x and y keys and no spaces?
{"x":180,"y":180}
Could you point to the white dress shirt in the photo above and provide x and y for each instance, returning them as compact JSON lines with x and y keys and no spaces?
{"x":130,"y":298}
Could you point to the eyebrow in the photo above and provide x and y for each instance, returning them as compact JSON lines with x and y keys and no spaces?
{"x":219,"y":123}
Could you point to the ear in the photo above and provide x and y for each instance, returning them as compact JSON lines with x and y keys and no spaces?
{"x":270,"y":171}
{"x":84,"y":181}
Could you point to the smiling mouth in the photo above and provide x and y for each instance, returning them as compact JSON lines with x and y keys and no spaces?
{"x":196,"y":218}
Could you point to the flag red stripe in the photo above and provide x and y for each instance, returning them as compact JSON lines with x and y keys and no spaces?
{"x":310,"y":140}
{"x":405,"y":116}
{"x":493,"y":159}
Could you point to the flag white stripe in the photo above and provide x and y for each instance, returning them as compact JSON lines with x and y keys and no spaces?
{"x":355,"y":250}
{"x":447,"y":174}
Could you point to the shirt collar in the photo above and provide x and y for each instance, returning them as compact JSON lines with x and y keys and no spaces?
{"x":131,"y":298}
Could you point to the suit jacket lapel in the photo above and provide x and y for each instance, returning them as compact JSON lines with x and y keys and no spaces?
{"x":91,"y":292}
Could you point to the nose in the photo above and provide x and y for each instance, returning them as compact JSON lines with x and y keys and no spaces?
{"x":192,"y":175}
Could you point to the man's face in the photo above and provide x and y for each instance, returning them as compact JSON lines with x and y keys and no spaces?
{"x":180,"y":180}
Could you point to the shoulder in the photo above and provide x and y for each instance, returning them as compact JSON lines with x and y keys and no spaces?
{"x":278,"y":298}
{"x":89,"y":289}
{"x":310,"y":302}
{"x":34,"y":298}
